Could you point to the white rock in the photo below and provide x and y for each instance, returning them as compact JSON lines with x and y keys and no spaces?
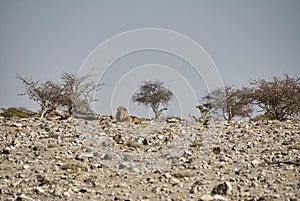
{"x":174,"y":181}
{"x":160,"y":137}
{"x":173,"y":120}
{"x":25,"y":167}
{"x":167,"y":175}
{"x":255,"y":162}
{"x":25,"y":197}
{"x":122,"y":185}
{"x":39,"y":190}
{"x":17,"y":125}
{"x":229,"y":191}
{"x":189,"y":153}
{"x":66,"y":194}
{"x":211,"y":198}
{"x":136,"y":170}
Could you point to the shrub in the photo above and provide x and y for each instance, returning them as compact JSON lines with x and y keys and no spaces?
{"x":231,"y":101}
{"x":261,"y":117}
{"x":16,"y":112}
{"x":74,"y":94}
{"x":278,"y":98}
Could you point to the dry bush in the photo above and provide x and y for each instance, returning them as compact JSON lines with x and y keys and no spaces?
{"x":278,"y":98}
{"x":73,"y":94}
{"x":231,"y":101}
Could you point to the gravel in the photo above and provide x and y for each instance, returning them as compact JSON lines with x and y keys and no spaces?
{"x":170,"y":159}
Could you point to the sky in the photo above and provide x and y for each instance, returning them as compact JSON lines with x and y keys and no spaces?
{"x":189,"y":45}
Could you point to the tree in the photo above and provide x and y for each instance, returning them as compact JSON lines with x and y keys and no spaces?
{"x":153,"y":94}
{"x":231,"y":101}
{"x":204,"y":110}
{"x":80,"y":90}
{"x":71,"y":94}
{"x":278,"y":98}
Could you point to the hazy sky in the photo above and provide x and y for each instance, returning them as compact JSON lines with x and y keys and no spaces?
{"x":245,"y":39}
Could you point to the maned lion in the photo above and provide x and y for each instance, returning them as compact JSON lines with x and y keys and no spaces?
{"x":123,"y":116}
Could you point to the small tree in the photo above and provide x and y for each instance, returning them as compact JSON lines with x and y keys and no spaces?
{"x":204,"y":110}
{"x":279,"y":97}
{"x":70,"y":94}
{"x":153,"y":94}
{"x":231,"y":101}
{"x":80,"y":91}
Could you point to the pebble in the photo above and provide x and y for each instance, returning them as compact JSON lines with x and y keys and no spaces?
{"x":39,"y":190}
{"x":122,"y":185}
{"x":214,"y":197}
{"x":25,"y":167}
{"x":255,"y":162}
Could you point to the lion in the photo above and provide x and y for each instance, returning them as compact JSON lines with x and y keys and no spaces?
{"x":123,"y":116}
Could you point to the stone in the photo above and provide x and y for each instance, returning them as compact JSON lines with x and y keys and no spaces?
{"x":17,"y":124}
{"x":217,"y":150}
{"x":39,"y":190}
{"x":174,"y":181}
{"x":23,"y":196}
{"x":167,"y":175}
{"x":122,"y":185}
{"x":5,"y":151}
{"x":188,"y":153}
{"x":255,"y":162}
{"x":83,"y":190}
{"x":156,"y":190}
{"x":66,"y":194}
{"x":212,"y":198}
{"x":222,"y":189}
{"x":25,"y":167}
{"x":173,"y":120}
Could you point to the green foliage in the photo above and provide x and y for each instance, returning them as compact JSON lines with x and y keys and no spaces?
{"x":16,"y":112}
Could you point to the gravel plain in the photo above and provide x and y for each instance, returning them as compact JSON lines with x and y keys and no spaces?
{"x":172,"y":159}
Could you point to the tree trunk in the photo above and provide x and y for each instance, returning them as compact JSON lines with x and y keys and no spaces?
{"x":230,"y":114}
{"x":156,"y":112}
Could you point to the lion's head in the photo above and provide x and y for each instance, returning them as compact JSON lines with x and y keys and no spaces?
{"x":122,"y":115}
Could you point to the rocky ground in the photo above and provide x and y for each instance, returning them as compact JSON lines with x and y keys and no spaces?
{"x":171,"y":159}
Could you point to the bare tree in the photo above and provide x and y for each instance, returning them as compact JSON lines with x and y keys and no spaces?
{"x":237,"y":105}
{"x":80,"y":90}
{"x":231,"y":101}
{"x":53,"y":97}
{"x":279,"y":97}
{"x":153,"y":94}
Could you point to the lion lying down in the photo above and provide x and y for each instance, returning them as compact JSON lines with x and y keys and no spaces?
{"x":123,"y":116}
